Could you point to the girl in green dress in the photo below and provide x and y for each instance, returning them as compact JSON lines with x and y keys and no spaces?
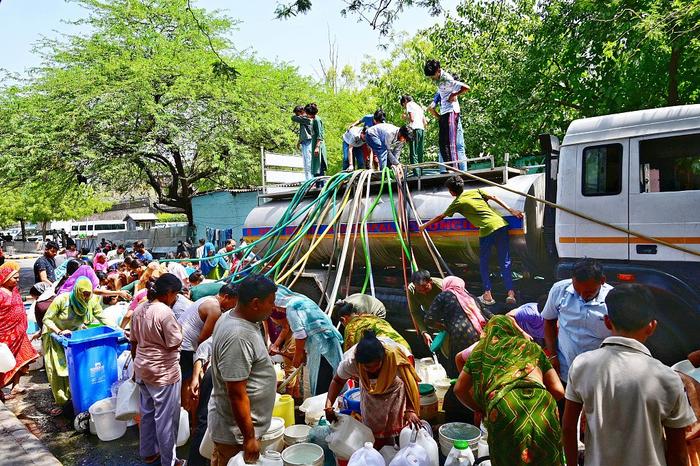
{"x":511,"y":383}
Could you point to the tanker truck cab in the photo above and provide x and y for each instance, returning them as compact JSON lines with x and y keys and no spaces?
{"x":639,"y":171}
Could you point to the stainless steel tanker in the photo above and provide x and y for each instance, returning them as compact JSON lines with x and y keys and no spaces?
{"x":456,"y":239}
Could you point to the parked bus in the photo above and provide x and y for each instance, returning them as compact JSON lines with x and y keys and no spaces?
{"x":94,"y":228}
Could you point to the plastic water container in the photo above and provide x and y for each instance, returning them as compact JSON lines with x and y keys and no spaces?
{"x":366,"y":456}
{"x":7,"y":359}
{"x":39,"y":363}
{"x":107,"y":427}
{"x":454,"y":431}
{"x":318,"y":436}
{"x":460,"y":455}
{"x":183,"y":430}
{"x":313,"y":408}
{"x":298,"y":433}
{"x":348,"y":435}
{"x":411,"y":455}
{"x":430,"y":371}
{"x":428,"y":401}
{"x":92,"y":364}
{"x":303,"y":454}
{"x":32,"y":327}
{"x":269,"y":458}
{"x":424,"y":438}
{"x":284,"y":408}
{"x":441,"y":388}
{"x":206,"y":448}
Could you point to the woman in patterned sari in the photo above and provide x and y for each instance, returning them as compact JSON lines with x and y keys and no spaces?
{"x":511,"y":382}
{"x":68,"y":312}
{"x":13,"y":327}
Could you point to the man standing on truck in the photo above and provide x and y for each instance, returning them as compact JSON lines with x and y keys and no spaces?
{"x":449,"y":89}
{"x":493,"y":230}
{"x":578,"y":306}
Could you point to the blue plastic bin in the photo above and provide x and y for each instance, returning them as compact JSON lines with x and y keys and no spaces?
{"x":91,"y":356}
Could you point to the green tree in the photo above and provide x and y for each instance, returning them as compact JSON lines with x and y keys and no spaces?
{"x":149,"y":97}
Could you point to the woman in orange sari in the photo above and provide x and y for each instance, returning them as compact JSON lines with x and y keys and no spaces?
{"x":13,"y":327}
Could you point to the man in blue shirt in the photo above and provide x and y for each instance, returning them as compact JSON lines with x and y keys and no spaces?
{"x":141,"y":253}
{"x":577,"y":305}
{"x":370,"y":119}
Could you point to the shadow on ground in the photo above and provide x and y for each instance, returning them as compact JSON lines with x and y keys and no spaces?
{"x":57,"y":433}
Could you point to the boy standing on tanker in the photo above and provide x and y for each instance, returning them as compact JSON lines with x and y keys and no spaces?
{"x":305,"y":133}
{"x":493,"y":231}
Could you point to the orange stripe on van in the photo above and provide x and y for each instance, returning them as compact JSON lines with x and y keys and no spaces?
{"x":625,"y":240}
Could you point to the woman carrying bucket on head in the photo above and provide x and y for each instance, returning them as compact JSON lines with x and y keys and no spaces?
{"x":388,"y":387}
{"x":68,"y":312}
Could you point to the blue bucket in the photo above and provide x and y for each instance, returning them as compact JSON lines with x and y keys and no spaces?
{"x":351,"y":400}
{"x":91,"y":356}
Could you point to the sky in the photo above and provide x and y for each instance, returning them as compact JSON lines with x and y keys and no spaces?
{"x":302,"y":40}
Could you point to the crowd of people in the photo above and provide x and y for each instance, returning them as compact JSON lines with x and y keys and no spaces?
{"x":529,"y":375}
{"x":371,"y":141}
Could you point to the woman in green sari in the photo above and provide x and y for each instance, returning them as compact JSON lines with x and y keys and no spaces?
{"x":510,"y":381}
{"x":68,"y":312}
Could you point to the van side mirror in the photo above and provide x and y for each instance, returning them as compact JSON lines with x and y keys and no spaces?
{"x":549,"y":145}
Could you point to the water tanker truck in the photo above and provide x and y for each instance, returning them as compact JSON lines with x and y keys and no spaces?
{"x":623,"y":189}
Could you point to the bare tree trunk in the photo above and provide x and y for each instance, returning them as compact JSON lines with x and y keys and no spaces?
{"x":673,"y":64}
{"x":23,"y":228}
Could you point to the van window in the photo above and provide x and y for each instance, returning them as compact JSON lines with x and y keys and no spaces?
{"x":602,"y":170}
{"x":669,"y":164}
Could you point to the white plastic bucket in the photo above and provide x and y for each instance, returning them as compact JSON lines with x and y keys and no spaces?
{"x":459,"y":431}
{"x":303,"y":454}
{"x":298,"y":433}
{"x":273,"y":439}
{"x":106,"y":426}
{"x":687,"y":368}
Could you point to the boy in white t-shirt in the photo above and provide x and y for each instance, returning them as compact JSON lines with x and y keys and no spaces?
{"x":415,"y":116}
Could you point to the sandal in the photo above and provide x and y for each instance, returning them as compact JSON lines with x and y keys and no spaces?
{"x":155,"y":459}
{"x":511,"y":300}
{"x":55,"y":412}
{"x":490,"y":302}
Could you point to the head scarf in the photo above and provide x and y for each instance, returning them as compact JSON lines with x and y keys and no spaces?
{"x":455,"y":285}
{"x":8,"y":270}
{"x":208,"y":265}
{"x":283,"y":295}
{"x":100,"y":262}
{"x":502,"y":358}
{"x":77,"y":301}
{"x":84,"y":271}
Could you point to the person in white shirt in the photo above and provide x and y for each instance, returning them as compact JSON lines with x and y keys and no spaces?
{"x":636,"y":407}
{"x":352,"y":149}
{"x":386,"y":141}
{"x":415,"y":116}
{"x":450,"y":89}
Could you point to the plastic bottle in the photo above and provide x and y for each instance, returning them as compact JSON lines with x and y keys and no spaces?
{"x":366,"y":456}
{"x":348,"y":436}
{"x":460,"y":455}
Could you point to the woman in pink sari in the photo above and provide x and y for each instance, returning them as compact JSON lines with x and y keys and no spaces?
{"x":13,"y":327}
{"x":99,"y":262}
